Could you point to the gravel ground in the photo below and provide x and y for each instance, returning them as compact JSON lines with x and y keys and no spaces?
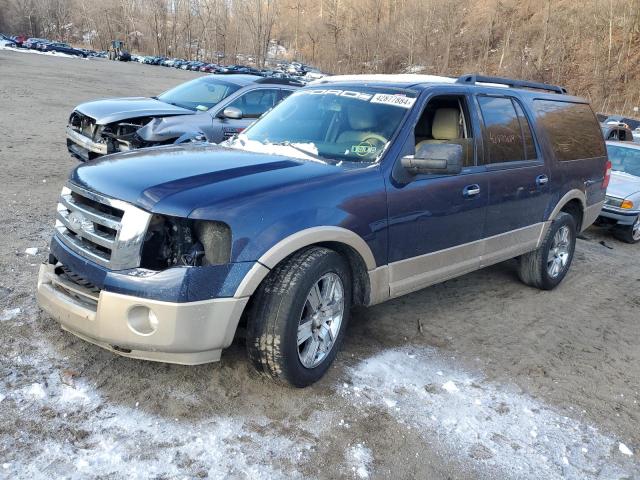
{"x":480,"y":377}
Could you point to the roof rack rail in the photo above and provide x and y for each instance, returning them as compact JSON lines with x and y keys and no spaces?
{"x":474,"y":78}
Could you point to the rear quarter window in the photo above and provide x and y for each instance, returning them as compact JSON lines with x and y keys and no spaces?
{"x":507,"y":133}
{"x":572,"y":129}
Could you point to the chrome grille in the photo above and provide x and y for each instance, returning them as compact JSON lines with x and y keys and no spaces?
{"x":106,"y":231}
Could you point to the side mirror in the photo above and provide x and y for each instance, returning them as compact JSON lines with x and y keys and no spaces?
{"x":232,"y":113}
{"x":435,"y":159}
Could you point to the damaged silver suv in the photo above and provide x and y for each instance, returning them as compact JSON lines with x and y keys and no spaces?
{"x":211,"y":108}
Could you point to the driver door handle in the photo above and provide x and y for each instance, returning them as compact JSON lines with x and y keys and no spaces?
{"x":542,"y":180}
{"x":471,"y":190}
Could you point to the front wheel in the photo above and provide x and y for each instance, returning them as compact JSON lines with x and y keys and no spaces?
{"x":298,"y":316}
{"x":547,"y":266}
{"x":628,"y":234}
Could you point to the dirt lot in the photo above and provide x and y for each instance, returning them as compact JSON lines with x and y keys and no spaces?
{"x":480,"y":377}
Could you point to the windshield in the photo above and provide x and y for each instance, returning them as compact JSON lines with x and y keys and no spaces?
{"x":354,"y":124}
{"x":199,"y":94}
{"x":624,"y":159}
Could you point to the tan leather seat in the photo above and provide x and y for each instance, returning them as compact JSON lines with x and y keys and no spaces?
{"x":446,"y":128}
{"x":361,"y":122}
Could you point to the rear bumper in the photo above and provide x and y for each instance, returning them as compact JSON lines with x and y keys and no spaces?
{"x":186,"y":333}
{"x":621,"y":217}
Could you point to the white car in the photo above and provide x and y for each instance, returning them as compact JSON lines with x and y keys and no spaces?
{"x":622,"y":204}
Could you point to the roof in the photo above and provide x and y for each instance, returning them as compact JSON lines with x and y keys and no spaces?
{"x":409,"y":80}
{"x":401,"y":80}
{"x":239,"y":78}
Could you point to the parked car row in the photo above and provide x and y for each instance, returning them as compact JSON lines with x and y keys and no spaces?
{"x":350,"y":191}
{"x":283,"y":70}
{"x":45,"y":45}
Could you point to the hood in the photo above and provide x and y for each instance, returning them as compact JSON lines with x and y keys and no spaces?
{"x":623,"y":184}
{"x":167,"y":128}
{"x":176,"y":179}
{"x":116,"y":109}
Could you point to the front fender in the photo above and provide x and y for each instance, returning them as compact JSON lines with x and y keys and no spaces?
{"x":348,"y":207}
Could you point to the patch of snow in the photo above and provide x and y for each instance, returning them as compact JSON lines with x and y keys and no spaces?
{"x":10,"y":314}
{"x":36,"y":390}
{"x":31,"y":251}
{"x":8,"y":46}
{"x":415,"y":69}
{"x":390,"y":403}
{"x":295,"y":150}
{"x":73,"y":394}
{"x":450,"y":387}
{"x":360,"y":458}
{"x":624,"y":449}
{"x":122,"y":441}
{"x":495,"y":429}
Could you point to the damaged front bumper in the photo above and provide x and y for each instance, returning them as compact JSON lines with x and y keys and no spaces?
{"x":84,"y":147}
{"x":186,"y":333}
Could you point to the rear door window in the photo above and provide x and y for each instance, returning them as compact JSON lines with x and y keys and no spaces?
{"x":572,"y":129}
{"x":507,"y":134}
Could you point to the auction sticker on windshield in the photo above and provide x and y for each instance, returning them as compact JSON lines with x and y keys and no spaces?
{"x":396,"y":100}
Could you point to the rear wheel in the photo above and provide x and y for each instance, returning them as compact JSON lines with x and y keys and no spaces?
{"x":547,"y":266}
{"x":299,"y":315}
{"x":630,"y":233}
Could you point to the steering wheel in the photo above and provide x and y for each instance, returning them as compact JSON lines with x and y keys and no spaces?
{"x":374,"y":138}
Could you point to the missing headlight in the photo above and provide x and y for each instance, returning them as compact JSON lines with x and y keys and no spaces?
{"x":172,"y":241}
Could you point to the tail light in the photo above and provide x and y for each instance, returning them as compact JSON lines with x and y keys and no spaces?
{"x":607,"y":174}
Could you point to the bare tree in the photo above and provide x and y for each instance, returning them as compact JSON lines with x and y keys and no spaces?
{"x":592,"y":46}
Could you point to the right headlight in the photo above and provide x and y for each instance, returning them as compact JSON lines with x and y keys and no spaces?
{"x":172,"y":241}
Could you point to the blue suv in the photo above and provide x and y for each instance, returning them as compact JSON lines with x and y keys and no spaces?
{"x":352,"y":191}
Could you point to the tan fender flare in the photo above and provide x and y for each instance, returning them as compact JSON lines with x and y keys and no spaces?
{"x":295,"y":242}
{"x":566,"y":198}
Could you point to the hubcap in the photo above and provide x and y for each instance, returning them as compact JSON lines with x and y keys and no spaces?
{"x":320,"y":320}
{"x":635,"y":229}
{"x":559,"y":252}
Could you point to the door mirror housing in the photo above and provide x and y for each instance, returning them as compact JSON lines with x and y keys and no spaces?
{"x":232,"y":113}
{"x":435,"y":159}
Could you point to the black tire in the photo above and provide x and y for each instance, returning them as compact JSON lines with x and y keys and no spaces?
{"x":626,"y":233}
{"x":533,"y":266}
{"x":277,"y":307}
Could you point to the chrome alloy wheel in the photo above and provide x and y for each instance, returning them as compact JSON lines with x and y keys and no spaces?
{"x":635,"y":229}
{"x":558,"y":256}
{"x":320,"y":320}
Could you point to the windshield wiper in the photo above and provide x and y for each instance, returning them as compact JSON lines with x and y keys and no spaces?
{"x":287,"y":143}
